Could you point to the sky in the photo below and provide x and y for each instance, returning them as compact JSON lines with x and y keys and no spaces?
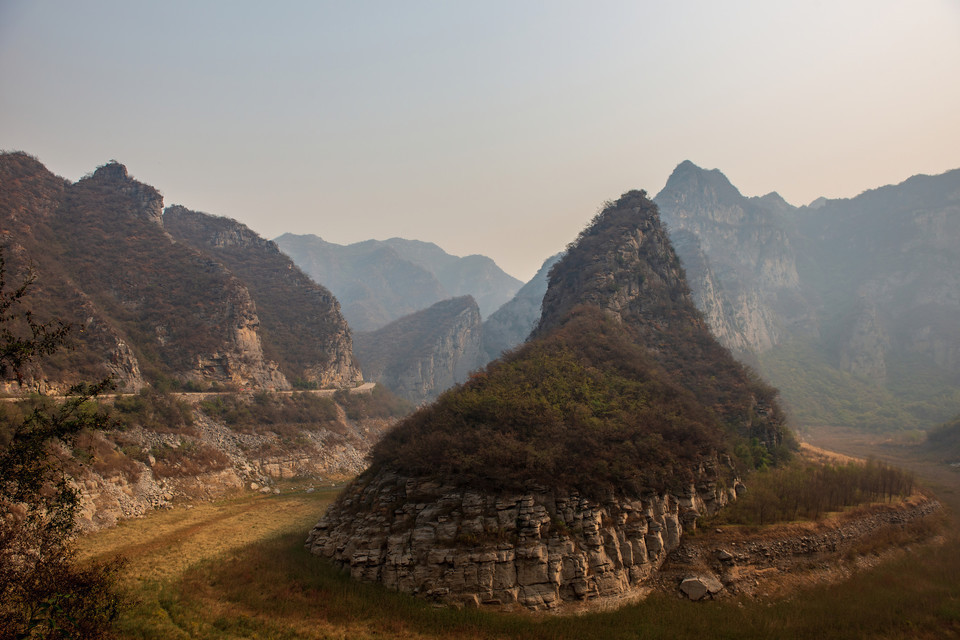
{"x":493,"y":127}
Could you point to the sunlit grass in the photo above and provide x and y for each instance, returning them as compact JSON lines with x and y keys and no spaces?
{"x":260,"y":582}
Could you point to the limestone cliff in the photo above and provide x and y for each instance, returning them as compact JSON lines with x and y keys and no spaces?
{"x":539,"y":549}
{"x":754,"y":298}
{"x":300,"y":320}
{"x":423,"y":354}
{"x":566,"y":470}
{"x":842,"y":303}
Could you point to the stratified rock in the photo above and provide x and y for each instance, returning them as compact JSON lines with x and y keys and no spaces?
{"x":540,"y":549}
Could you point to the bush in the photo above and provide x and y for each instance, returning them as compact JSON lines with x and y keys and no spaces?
{"x":379,"y":403}
{"x":266,"y":411}
{"x":807,"y":490}
{"x":155,"y":410}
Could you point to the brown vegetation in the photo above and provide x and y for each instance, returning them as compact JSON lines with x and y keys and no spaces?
{"x":585,"y":408}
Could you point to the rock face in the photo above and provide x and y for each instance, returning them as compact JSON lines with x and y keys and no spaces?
{"x":379,"y":281}
{"x":741,"y":253}
{"x":203,"y":302}
{"x":301,"y":322}
{"x":565,"y":471}
{"x":840,"y":303}
{"x":137,"y":469}
{"x":539,"y":549}
{"x":420,"y":355}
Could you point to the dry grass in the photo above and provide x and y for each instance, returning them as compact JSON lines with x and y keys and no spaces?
{"x":238,"y":569}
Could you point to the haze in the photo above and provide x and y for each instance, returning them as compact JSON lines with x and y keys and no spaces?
{"x":495,"y":127}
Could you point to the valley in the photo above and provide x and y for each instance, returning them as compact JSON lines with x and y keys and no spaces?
{"x":584,"y":443}
{"x":237,"y":568}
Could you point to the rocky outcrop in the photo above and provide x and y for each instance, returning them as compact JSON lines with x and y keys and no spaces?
{"x":130,"y":472}
{"x":310,"y":339}
{"x":567,"y":469}
{"x":746,"y":279}
{"x":540,"y":549}
{"x":738,"y":561}
{"x":423,"y":354}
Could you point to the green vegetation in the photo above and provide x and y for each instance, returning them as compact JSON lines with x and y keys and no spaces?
{"x":817,"y":393}
{"x":809,"y":490}
{"x":156,"y":411}
{"x":584,"y":408}
{"x":379,"y":403}
{"x":265,"y":411}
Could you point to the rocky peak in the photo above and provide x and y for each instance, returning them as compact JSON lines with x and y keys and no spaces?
{"x":688,"y":181}
{"x":216,"y":231}
{"x":623,"y":263}
{"x":147,"y":201}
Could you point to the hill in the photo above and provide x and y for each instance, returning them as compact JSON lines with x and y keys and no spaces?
{"x":569,"y":469}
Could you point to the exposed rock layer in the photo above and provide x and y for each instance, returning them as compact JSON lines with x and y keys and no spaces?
{"x":539,"y":549}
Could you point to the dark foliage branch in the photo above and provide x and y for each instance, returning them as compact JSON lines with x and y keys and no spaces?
{"x":44,"y":593}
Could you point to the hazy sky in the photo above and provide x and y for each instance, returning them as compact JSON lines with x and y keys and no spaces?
{"x":487,"y":127}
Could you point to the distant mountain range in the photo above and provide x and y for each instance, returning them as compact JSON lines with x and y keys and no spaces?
{"x":850,"y":306}
{"x":379,"y":281}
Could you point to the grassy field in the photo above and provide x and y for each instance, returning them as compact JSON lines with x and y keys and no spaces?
{"x":238,"y":569}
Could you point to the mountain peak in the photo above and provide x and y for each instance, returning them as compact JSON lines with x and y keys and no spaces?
{"x":142,"y":199}
{"x":623,"y":263}
{"x":112,"y":170}
{"x":712,"y":183}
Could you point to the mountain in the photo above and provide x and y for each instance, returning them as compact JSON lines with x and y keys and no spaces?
{"x":161,"y":306}
{"x":567,"y":470}
{"x":300,"y":322}
{"x":850,"y":306}
{"x":422,"y":354}
{"x":512,"y":323}
{"x":751,"y":260}
{"x":378,"y":281}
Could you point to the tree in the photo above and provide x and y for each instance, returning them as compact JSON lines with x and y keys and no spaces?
{"x":43,"y":591}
